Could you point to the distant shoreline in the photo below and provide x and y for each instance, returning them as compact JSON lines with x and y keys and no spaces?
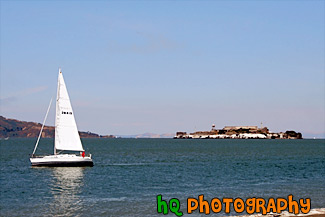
{"x":144,"y":138}
{"x":12,"y":128}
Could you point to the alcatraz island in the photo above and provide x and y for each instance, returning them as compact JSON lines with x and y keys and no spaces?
{"x":239,"y":132}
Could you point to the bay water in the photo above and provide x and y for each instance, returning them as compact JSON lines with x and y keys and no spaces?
{"x":128,"y":174}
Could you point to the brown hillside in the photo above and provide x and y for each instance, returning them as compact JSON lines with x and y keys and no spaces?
{"x":24,"y":129}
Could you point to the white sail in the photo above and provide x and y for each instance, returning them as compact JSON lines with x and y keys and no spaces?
{"x":66,"y":132}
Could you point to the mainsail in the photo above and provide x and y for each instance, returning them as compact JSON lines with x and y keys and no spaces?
{"x":66,"y":132}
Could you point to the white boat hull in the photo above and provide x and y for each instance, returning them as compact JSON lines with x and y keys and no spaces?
{"x":63,"y":160}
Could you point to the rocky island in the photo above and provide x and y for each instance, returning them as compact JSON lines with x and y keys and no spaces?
{"x":239,"y":132}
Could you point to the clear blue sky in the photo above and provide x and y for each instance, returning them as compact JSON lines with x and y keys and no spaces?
{"x":165,"y":66}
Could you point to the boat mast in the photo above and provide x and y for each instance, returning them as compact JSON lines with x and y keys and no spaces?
{"x":56,"y":110}
{"x":40,"y":133}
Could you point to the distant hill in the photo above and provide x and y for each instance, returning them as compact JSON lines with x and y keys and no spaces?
{"x":24,"y":129}
{"x":153,"y":135}
{"x":148,"y":136}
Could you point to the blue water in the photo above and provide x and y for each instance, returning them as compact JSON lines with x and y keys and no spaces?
{"x":130,"y":173}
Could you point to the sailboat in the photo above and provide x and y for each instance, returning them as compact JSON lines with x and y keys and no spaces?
{"x":66,"y":135}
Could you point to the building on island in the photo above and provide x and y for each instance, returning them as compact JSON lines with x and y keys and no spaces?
{"x":239,"y":132}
